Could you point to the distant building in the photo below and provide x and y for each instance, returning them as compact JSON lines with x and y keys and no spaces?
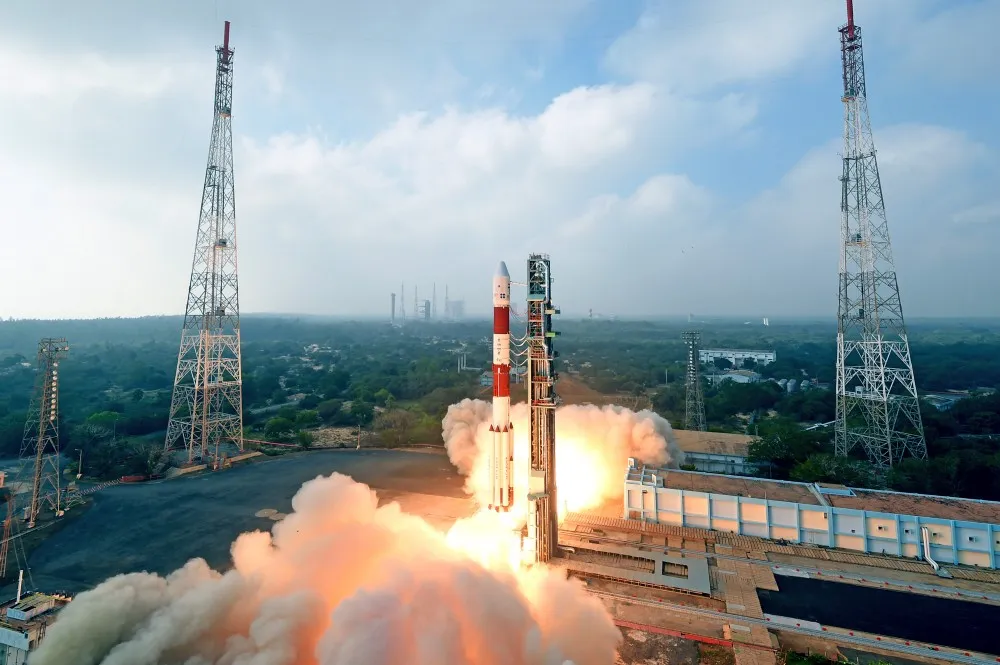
{"x":715,"y":452}
{"x":736,"y":376}
{"x":736,"y":356}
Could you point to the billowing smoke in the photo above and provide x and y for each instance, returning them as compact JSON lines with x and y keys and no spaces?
{"x":593,"y":445}
{"x":341,"y":581}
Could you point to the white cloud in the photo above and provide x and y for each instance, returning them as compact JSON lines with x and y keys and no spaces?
{"x":102,"y":157}
{"x":697,"y":46}
{"x":28,"y":74}
{"x":927,"y":174}
{"x":986,"y":213}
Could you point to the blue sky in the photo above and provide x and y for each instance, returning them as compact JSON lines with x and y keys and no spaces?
{"x":672,"y":156}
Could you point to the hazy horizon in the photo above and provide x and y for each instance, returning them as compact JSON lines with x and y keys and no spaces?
{"x":574,"y":316}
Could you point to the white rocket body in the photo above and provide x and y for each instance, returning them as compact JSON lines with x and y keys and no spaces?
{"x":502,"y":455}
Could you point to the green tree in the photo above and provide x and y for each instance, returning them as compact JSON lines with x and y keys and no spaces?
{"x":782,"y":445}
{"x":287,"y":412}
{"x":310,"y":401}
{"x":138,"y":394}
{"x":307,"y":418}
{"x":828,"y":468}
{"x":279,"y":427}
{"x":330,"y":410}
{"x":106,"y":419}
{"x":395,"y":427}
{"x":334,"y":383}
{"x":383,"y":398}
{"x":362,"y":412}
{"x":304,"y":439}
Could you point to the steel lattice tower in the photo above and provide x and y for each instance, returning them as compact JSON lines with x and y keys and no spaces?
{"x":543,"y":513}
{"x":877,"y":403}
{"x":207,"y":405}
{"x":694,"y":402}
{"x":41,"y":432}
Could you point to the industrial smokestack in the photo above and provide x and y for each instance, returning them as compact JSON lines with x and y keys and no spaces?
{"x":392,"y":317}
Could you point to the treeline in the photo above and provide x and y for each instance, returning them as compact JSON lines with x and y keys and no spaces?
{"x":629,"y":357}
{"x":298,"y":375}
{"x":962,"y":446}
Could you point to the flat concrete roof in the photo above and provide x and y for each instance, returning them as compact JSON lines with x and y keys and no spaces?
{"x":716,"y":443}
{"x":942,"y":507}
{"x":876,"y":501}
{"x":751,"y":488}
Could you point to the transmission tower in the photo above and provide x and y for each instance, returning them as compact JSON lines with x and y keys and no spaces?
{"x":41,"y":432}
{"x":694,"y":403}
{"x":543,"y":513}
{"x":207,"y":405}
{"x":877,"y":404}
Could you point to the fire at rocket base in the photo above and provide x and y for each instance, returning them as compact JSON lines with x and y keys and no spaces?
{"x":502,"y":455}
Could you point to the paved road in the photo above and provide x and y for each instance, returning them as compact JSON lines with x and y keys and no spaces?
{"x":161,"y":525}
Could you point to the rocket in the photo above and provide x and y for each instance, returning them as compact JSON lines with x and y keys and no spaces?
{"x":502,"y":432}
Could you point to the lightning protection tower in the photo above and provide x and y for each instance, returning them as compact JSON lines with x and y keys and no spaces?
{"x":543,"y":514}
{"x":41,"y":432}
{"x":694,"y":403}
{"x":877,"y":404}
{"x":207,"y":404}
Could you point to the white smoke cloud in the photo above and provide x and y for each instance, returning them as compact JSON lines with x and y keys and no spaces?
{"x":593,"y":445}
{"x":341,"y":581}
{"x":460,"y":431}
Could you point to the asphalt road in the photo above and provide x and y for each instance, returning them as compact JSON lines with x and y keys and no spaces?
{"x":159,"y":526}
{"x":954,"y":623}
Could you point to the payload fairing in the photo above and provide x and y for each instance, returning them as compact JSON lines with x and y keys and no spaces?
{"x":502,"y":456}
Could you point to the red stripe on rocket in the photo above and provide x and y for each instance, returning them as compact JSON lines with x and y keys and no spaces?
{"x":501,"y":431}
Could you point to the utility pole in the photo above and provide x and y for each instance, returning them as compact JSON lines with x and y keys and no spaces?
{"x":877,"y":403}
{"x":207,"y":403}
{"x":694,"y":403}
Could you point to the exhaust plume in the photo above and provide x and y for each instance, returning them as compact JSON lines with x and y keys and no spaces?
{"x":593,"y":445}
{"x":341,"y":581}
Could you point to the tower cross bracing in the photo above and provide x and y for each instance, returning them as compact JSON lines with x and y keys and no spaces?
{"x":877,"y":403}
{"x":206,"y":409}
{"x":543,"y":515}
{"x":694,"y":401}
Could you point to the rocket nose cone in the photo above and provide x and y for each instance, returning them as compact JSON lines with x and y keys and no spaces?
{"x":502,"y":270}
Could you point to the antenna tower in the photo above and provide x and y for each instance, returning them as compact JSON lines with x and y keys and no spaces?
{"x":877,"y":403}
{"x":543,"y":514}
{"x":207,"y":405}
{"x":41,"y":432}
{"x":694,"y":404}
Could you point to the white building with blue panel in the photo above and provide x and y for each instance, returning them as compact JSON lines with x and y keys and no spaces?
{"x":937,"y":529}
